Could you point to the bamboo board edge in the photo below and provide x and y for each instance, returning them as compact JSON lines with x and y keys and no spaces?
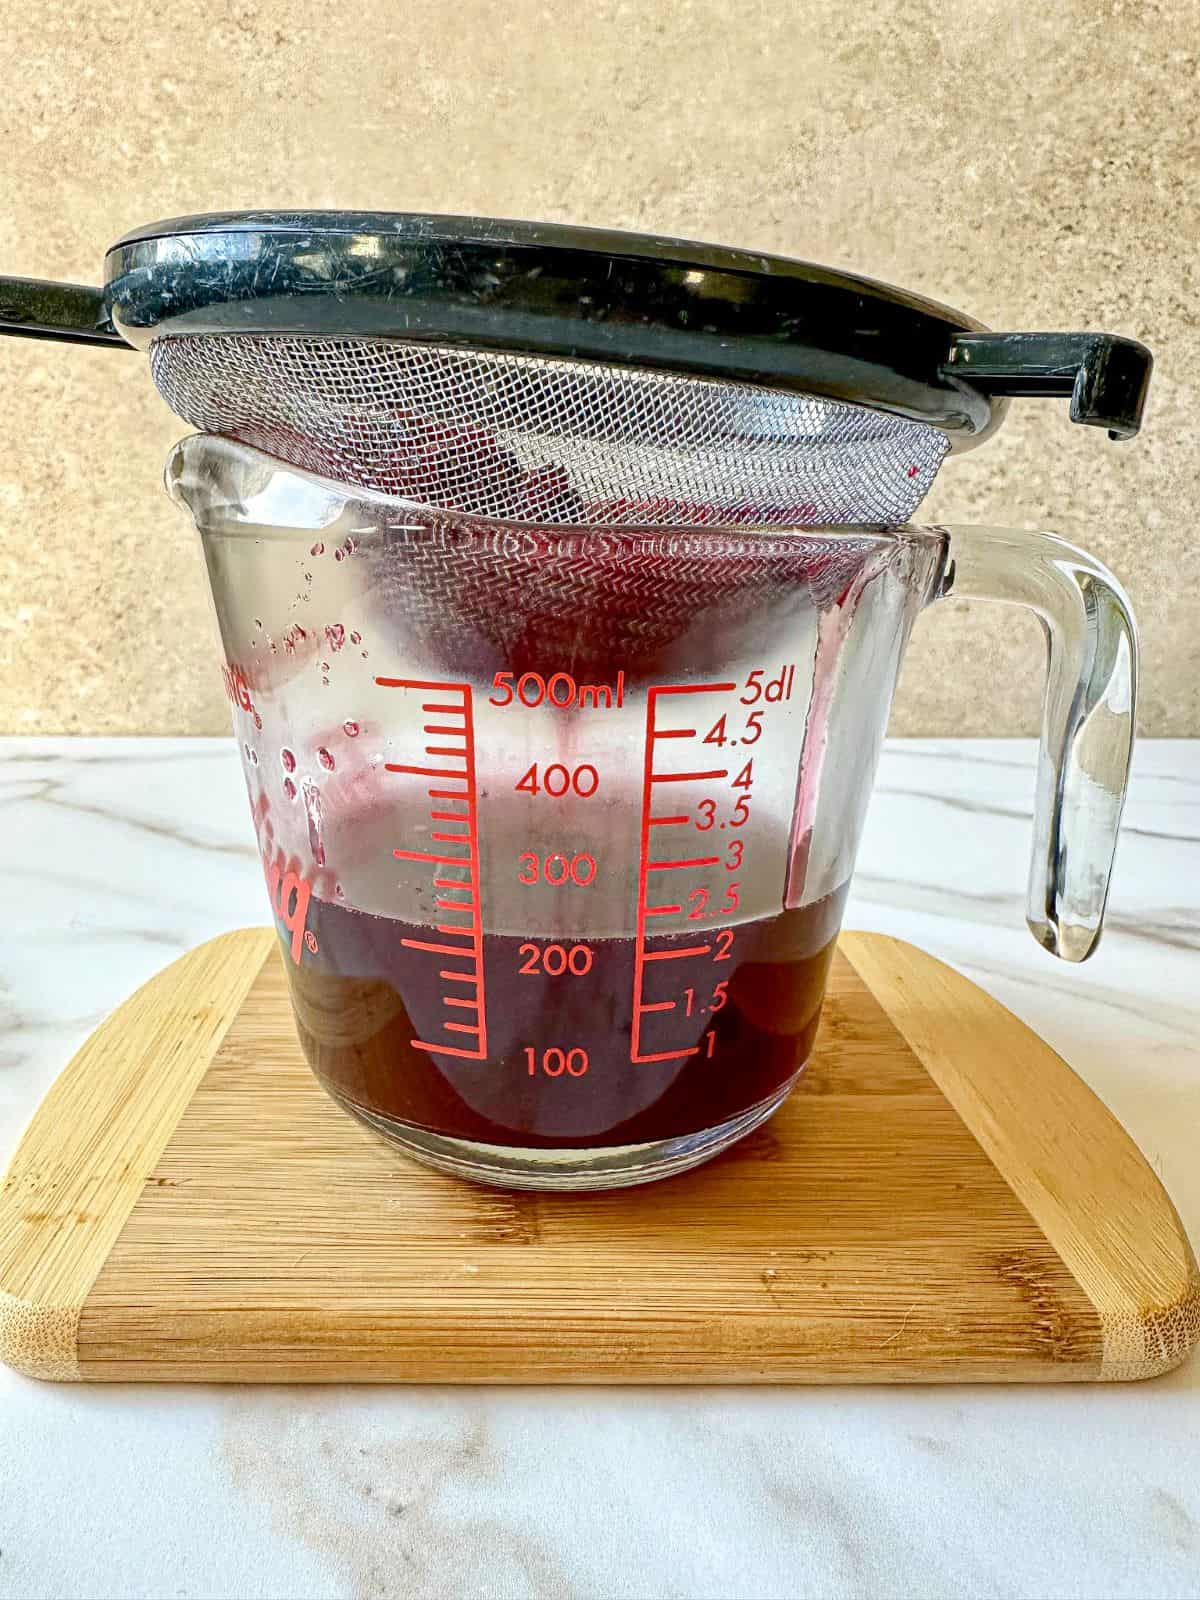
{"x":96,"y":1138}
{"x":1100,"y":1179}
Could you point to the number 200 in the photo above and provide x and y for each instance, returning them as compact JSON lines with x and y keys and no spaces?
{"x":555,"y":960}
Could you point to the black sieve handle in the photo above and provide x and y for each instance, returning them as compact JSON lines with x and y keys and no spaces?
{"x":32,"y":308}
{"x":1105,"y":376}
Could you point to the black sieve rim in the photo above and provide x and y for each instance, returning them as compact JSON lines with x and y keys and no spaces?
{"x":553,"y":290}
{"x":584,"y":294}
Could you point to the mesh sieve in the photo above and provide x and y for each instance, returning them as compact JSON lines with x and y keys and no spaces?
{"x":546,"y":440}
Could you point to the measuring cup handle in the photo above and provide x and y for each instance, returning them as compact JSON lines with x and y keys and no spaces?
{"x":1087,"y":717}
{"x":32,"y":308}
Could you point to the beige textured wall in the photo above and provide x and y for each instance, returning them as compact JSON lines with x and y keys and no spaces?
{"x":1034,"y":162}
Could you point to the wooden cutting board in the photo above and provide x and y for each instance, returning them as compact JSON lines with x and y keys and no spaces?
{"x":941,"y":1198}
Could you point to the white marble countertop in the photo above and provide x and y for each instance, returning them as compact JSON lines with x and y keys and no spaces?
{"x":121,"y":854}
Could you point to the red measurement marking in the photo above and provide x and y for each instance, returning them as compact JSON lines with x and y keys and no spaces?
{"x":471,"y":932}
{"x":417,"y":683}
{"x":453,"y":1050}
{"x":692,"y":688}
{"x":423,"y":772}
{"x":639,"y":954}
{"x":642,"y":1008}
{"x":688,"y":777}
{"x":425,"y":855}
{"x":437,"y":949}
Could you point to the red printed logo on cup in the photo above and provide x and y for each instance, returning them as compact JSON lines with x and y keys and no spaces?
{"x":290,"y":893}
{"x":237,"y":686}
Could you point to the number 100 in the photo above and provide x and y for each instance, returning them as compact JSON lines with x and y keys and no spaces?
{"x":553,"y":1062}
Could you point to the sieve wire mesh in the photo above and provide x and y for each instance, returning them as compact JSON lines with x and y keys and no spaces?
{"x":549,"y":441}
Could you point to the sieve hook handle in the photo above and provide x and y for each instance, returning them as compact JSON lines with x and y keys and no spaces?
{"x":33,"y":308}
{"x":1105,"y":375}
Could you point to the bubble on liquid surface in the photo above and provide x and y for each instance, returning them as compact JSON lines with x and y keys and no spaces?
{"x":289,"y":788}
{"x":312,"y":808}
{"x":350,"y":729}
{"x":288,"y":759}
{"x":335,"y":636}
{"x":326,"y":760}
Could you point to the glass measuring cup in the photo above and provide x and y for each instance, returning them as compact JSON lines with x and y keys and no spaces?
{"x":558,"y":823}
